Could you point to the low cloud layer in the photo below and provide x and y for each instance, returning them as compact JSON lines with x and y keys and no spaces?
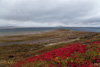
{"x":50,"y":13}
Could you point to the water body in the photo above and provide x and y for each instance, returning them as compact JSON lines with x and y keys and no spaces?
{"x":21,"y":31}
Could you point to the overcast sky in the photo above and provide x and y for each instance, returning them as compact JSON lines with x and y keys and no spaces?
{"x":50,"y":13}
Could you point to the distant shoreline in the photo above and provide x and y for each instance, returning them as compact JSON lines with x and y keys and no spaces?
{"x":34,"y":30}
{"x":24,"y":34}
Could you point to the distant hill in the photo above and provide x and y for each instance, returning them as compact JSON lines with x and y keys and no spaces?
{"x":59,"y":26}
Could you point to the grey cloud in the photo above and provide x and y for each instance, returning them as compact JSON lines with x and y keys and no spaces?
{"x":49,"y":12}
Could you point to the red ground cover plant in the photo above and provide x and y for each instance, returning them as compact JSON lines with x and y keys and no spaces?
{"x":72,"y":55}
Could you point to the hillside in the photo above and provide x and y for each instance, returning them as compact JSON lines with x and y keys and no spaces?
{"x":19,"y":47}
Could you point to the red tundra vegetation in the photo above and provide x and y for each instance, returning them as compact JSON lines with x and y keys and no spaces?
{"x":72,"y":55}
